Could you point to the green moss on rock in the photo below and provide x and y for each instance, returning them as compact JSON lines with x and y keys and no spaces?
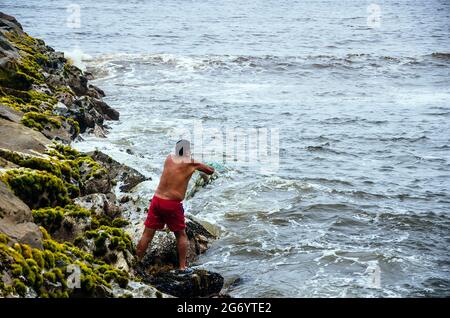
{"x":41,"y":121}
{"x":106,"y":239}
{"x":46,"y":272}
{"x":19,"y":287}
{"x":119,"y":222}
{"x":51,"y":218}
{"x":36,"y":188}
{"x":4,"y":239}
{"x":73,"y":169}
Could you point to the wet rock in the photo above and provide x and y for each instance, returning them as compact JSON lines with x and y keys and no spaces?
{"x":98,"y":131}
{"x":95,"y":92}
{"x":126,"y":176}
{"x":76,"y":80}
{"x":200,"y":283}
{"x":141,"y":290}
{"x":84,"y":112}
{"x":107,"y":112}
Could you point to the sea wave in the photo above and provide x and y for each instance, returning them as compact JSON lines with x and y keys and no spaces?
{"x":270,"y":63}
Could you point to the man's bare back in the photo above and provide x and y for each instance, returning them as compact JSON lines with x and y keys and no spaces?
{"x":176,"y":175}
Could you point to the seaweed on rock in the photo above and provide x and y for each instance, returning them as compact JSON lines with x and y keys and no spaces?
{"x":36,"y":188}
{"x":48,"y":273}
{"x":63,"y":165}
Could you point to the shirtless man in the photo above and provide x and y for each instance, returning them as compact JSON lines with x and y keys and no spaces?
{"x":166,"y":206}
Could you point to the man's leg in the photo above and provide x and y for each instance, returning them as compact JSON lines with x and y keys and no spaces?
{"x":182,"y":244}
{"x":145,"y":240}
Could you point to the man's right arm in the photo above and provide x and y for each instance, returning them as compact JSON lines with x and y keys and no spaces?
{"x":203,"y":168}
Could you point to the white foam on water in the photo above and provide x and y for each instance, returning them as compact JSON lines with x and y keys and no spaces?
{"x":77,"y":57}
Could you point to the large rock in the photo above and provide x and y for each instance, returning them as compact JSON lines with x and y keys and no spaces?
{"x":126,"y":176}
{"x":83,"y":110}
{"x":200,"y":283}
{"x":163,"y":249}
{"x":25,"y":139}
{"x":16,"y":219}
{"x":76,"y":80}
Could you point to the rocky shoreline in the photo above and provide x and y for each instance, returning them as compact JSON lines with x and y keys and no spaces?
{"x":59,"y":214}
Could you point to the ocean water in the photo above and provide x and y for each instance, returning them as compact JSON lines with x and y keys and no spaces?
{"x":359,"y":203}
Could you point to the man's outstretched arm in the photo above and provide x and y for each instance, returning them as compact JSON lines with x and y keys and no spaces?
{"x":203,"y":168}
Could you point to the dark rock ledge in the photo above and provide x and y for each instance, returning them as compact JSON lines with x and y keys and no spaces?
{"x":58,"y":207}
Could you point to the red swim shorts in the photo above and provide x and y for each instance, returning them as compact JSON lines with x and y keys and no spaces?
{"x":163,"y":212}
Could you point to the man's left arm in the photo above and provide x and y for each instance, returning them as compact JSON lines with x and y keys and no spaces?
{"x":203,"y":168}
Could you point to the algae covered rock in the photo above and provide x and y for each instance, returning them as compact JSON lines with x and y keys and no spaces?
{"x":64,"y":223}
{"x":36,"y":188}
{"x":61,"y":168}
{"x":109,"y":244}
{"x":43,"y":85}
{"x":57,"y":271}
